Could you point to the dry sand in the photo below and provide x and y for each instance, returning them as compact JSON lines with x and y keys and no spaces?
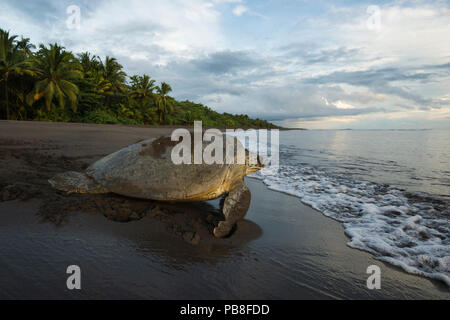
{"x":130,"y":248}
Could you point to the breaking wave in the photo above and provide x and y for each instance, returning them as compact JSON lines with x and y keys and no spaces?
{"x":409,"y":230}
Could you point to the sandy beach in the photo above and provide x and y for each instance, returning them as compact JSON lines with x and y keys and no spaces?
{"x":130,"y":248}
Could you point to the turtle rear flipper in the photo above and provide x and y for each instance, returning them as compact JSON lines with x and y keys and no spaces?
{"x":76,"y":182}
{"x":234,"y":208}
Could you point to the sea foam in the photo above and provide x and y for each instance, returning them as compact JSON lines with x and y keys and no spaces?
{"x":405,"y":229}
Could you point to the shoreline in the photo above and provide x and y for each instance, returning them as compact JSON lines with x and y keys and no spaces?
{"x":282,"y":250}
{"x":162,"y":126}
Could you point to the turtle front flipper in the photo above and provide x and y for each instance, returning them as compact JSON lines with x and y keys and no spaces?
{"x":234,"y":208}
{"x":76,"y":182}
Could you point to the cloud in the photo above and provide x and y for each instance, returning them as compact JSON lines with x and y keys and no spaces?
{"x":304,"y":60}
{"x":240,"y":10}
{"x":378,"y":80}
{"x":125,"y":27}
{"x":308,"y":53}
{"x":225,"y":62}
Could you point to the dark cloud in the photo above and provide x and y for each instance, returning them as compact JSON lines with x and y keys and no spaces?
{"x":311,"y":54}
{"x":324,"y":113}
{"x":38,"y":9}
{"x":379,"y":81}
{"x":369,"y":77}
{"x":223,"y":75}
{"x":225,"y":62}
{"x":49,"y":11}
{"x":439,"y":66}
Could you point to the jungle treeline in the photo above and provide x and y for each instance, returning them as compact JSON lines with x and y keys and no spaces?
{"x":50,"y":83}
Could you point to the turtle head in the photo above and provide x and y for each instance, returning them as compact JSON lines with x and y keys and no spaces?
{"x":253,"y":162}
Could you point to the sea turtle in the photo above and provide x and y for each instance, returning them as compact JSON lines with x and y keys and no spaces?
{"x":145,"y":170}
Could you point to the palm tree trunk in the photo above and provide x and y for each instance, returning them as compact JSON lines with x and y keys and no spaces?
{"x":7,"y":100}
{"x":163,"y":109}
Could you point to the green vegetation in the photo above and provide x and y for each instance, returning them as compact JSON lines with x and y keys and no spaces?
{"x":52,"y":84}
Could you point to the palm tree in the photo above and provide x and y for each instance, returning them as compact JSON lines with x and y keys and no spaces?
{"x":12,"y":62}
{"x":92,"y":69}
{"x":26,"y":46}
{"x":58,"y":69}
{"x":112,"y":72}
{"x":101,"y":85}
{"x":164,"y":104}
{"x":90,"y":64}
{"x":142,"y":88}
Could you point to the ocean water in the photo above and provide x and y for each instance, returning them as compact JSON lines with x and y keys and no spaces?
{"x":389,"y":188}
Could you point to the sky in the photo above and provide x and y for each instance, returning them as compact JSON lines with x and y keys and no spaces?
{"x":299,"y":63}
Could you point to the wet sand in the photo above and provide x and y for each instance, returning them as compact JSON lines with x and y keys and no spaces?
{"x":129,"y":248}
